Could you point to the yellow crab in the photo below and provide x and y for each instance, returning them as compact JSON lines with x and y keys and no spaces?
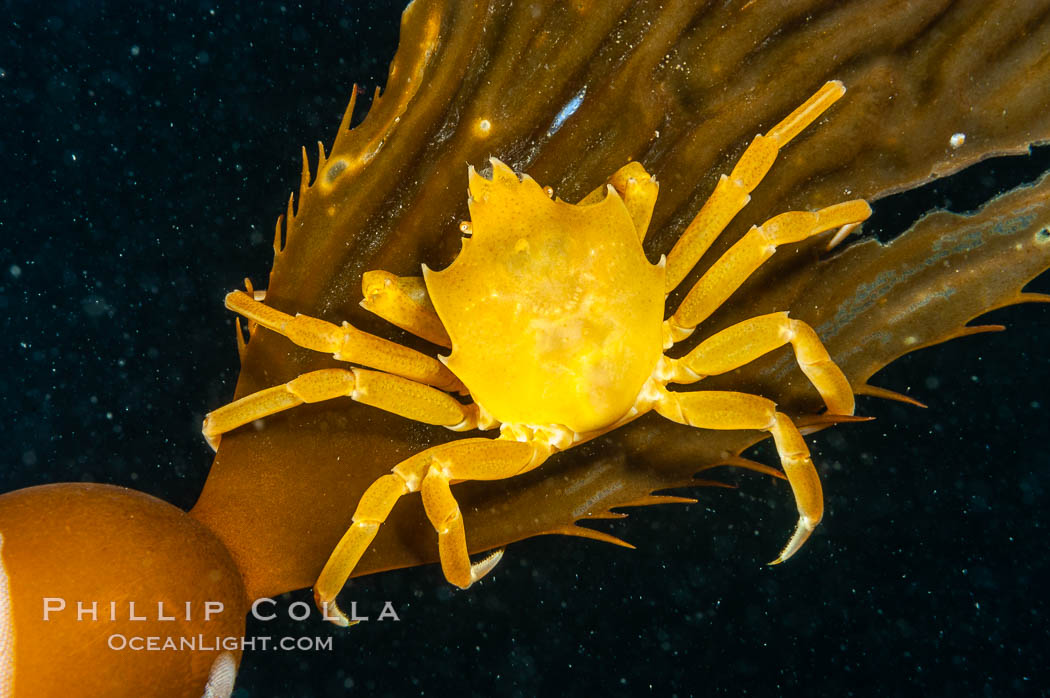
{"x":556,"y":323}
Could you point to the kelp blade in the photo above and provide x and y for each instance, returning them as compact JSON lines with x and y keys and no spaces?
{"x":681,"y":86}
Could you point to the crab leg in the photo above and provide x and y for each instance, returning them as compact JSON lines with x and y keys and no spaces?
{"x":347,"y":343}
{"x":729,"y":410}
{"x":429,"y":470}
{"x":481,"y":460}
{"x":403,"y":301}
{"x":749,"y":252}
{"x":637,"y":188}
{"x":748,"y":340}
{"x":387,"y":392}
{"x":733,"y":192}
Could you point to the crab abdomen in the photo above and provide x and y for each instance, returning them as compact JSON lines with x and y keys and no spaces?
{"x":553,"y":310}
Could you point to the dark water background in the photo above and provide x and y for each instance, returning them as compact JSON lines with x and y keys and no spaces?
{"x":146,"y":153}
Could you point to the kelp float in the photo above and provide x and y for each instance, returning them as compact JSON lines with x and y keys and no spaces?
{"x":569,"y":93}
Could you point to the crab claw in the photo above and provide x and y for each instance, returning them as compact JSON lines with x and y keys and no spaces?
{"x":804,"y":527}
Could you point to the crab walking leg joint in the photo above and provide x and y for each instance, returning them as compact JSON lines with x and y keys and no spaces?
{"x":387,"y":392}
{"x":403,"y":301}
{"x":429,"y":471}
{"x":346,"y":343}
{"x":732,"y":193}
{"x":728,"y":410}
{"x":637,"y":188}
{"x":749,"y":252}
{"x":746,"y":341}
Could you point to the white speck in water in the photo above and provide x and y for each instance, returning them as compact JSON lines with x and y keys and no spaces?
{"x":15,"y":271}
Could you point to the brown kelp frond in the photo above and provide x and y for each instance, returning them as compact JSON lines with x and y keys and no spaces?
{"x":948,"y":270}
{"x":810,"y":423}
{"x":739,"y":461}
{"x":602,"y":515}
{"x":887,"y":394}
{"x":322,"y":159}
{"x":278,"y":236}
{"x":307,"y":177}
{"x":286,"y":221}
{"x":289,"y":216}
{"x":592,"y":534}
{"x":651,"y":499}
{"x":304,"y":176}
{"x":344,"y":124}
{"x":1032,"y":297}
{"x":969,"y":330}
{"x":698,"y":482}
{"x":575,"y":529}
{"x":242,"y":343}
{"x":683,"y":86}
